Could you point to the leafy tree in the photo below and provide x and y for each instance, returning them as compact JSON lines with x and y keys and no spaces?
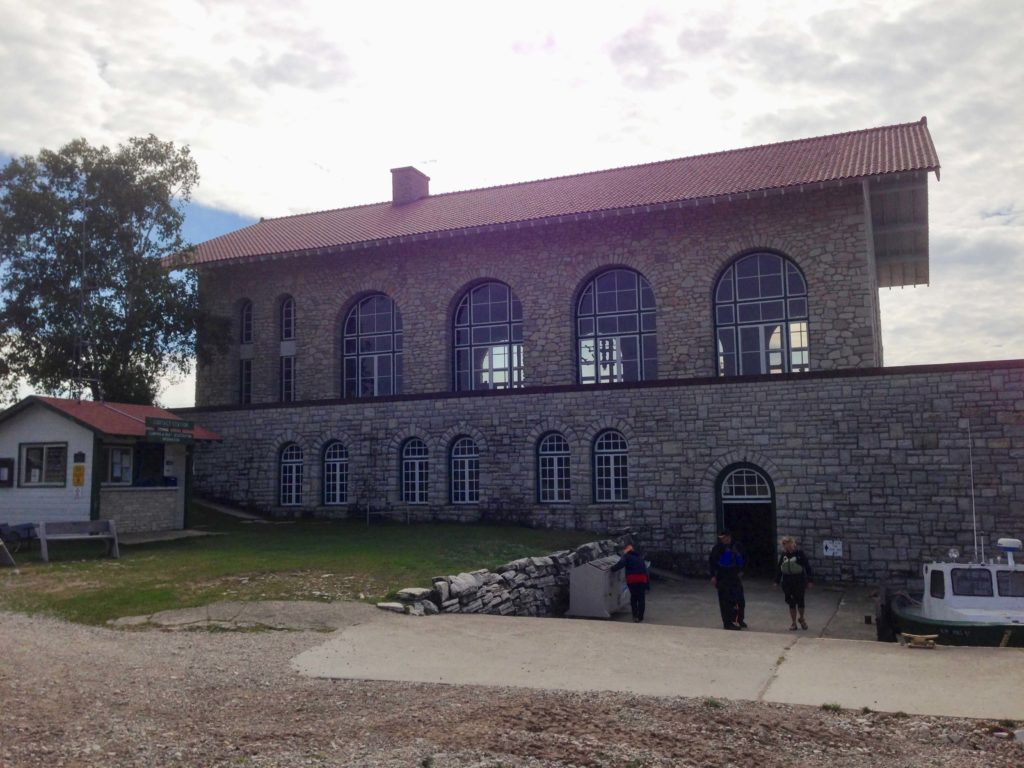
{"x":86,"y":300}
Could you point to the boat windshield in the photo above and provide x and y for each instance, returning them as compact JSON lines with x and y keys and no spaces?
{"x":971,"y":582}
{"x":1011,"y":583}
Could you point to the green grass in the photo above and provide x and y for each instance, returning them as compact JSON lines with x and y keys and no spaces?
{"x":303,"y":560}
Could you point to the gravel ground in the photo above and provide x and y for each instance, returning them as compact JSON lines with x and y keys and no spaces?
{"x":72,"y":695}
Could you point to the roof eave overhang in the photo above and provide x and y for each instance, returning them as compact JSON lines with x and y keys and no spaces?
{"x":31,"y":400}
{"x":898,"y":207}
{"x":511,"y":226}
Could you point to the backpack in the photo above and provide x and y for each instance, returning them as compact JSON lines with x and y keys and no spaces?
{"x":789,"y":566}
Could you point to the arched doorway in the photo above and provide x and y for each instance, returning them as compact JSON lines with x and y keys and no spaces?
{"x":746,"y":506}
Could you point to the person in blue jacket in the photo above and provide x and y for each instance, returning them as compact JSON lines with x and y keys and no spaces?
{"x":725,"y":565}
{"x":637,"y":579}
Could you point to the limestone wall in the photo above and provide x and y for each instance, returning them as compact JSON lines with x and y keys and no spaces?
{"x":136,"y":510}
{"x":875,"y":459}
{"x":681,"y":253}
{"x":530,"y":586}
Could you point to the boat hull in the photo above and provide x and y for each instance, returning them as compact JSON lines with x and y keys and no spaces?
{"x":905,"y":620}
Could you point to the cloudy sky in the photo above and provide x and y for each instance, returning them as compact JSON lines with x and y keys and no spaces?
{"x":305,"y":105}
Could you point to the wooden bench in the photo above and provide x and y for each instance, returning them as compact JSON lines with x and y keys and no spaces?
{"x":104,"y":530}
{"x":5,"y":556}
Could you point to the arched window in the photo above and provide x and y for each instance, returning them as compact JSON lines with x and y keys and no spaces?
{"x":615,"y":329}
{"x":291,"y":476}
{"x":611,"y":467}
{"x":335,"y":474}
{"x":488,"y":339}
{"x":465,"y":469}
{"x":288,"y":319}
{"x":373,"y":348}
{"x":761,"y":317}
{"x":553,"y":482}
{"x":245,"y":323}
{"x":414,"y":471}
{"x":745,"y":486}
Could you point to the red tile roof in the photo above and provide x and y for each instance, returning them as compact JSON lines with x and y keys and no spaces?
{"x":876,"y":151}
{"x":113,"y":419}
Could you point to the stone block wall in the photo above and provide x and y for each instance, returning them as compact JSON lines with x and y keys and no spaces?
{"x":530,"y":586}
{"x":877,"y":459}
{"x":137,"y":510}
{"x":682,"y":253}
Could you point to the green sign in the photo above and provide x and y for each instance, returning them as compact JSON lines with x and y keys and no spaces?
{"x":169,"y":430}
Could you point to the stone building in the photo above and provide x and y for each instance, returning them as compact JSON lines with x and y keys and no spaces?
{"x":669,"y":347}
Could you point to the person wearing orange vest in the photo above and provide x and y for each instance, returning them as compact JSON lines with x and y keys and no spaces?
{"x":637,"y":579}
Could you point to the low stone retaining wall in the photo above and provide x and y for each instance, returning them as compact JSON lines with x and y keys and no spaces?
{"x":530,"y":586}
{"x":143,"y":510}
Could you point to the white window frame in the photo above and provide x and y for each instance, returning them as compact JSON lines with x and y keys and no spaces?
{"x":465,"y":471}
{"x":415,"y":471}
{"x":746,"y":485}
{"x":290,"y":470}
{"x":554,"y":479}
{"x":24,"y":481}
{"x":335,"y":474}
{"x":611,"y":467}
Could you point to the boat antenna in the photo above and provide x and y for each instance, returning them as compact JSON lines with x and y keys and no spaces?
{"x":974,"y":514}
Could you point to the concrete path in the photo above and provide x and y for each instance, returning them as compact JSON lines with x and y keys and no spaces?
{"x":678,"y":651}
{"x":661,"y":660}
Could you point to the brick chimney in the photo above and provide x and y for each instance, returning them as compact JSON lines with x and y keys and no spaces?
{"x":408,"y":185}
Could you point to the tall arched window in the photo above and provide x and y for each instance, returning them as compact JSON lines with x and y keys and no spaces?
{"x":615,"y":329}
{"x":291,"y":476}
{"x":761,"y":317}
{"x":335,"y":474}
{"x":414,"y":471}
{"x":288,"y":319}
{"x":553,"y":481}
{"x":611,"y":467}
{"x":245,"y":323}
{"x":465,"y":472}
{"x":372,"y":348}
{"x":488,"y":339}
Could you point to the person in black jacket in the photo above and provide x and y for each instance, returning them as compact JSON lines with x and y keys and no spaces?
{"x":637,"y":579}
{"x":793,"y":574}
{"x":725,"y":564}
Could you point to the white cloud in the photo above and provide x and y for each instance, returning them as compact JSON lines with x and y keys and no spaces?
{"x":307,"y":105}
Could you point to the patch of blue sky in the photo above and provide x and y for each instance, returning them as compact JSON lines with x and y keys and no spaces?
{"x":203,"y":223}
